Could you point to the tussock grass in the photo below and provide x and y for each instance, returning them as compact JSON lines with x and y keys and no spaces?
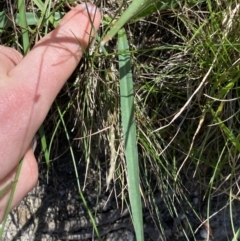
{"x":185,"y":65}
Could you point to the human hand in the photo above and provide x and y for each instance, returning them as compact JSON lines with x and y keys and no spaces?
{"x":28,"y":86}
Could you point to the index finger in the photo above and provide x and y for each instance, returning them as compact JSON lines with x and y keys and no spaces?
{"x":30,"y":88}
{"x":57,"y":54}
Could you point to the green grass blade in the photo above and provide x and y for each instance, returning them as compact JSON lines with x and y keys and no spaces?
{"x":32,"y":19}
{"x":45,"y":147}
{"x":12,"y":185}
{"x":131,"y":10}
{"x":129,"y":133}
{"x":229,"y":133}
{"x":76,"y":173}
{"x":237,"y":235}
{"x":136,"y":10}
{"x":151,"y":6}
{"x":6,"y":189}
{"x":24,"y":26}
{"x":25,"y":19}
{"x":42,"y":7}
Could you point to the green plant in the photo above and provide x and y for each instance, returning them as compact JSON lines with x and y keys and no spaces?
{"x":185,"y":70}
{"x":129,"y":132}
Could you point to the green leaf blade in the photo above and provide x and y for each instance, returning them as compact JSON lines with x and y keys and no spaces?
{"x":129,"y":133}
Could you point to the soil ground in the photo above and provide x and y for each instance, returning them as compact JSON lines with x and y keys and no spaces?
{"x":54,"y":211}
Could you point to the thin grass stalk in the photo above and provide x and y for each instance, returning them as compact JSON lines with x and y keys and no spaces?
{"x":44,"y":12}
{"x":51,"y":18}
{"x":6,"y":189}
{"x":237,"y":235}
{"x":45,"y":147}
{"x":13,"y":185}
{"x":48,"y":13}
{"x":129,"y":133}
{"x":77,"y":177}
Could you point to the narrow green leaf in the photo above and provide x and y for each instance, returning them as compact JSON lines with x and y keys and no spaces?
{"x":131,"y":10}
{"x":13,"y":186}
{"x":24,"y":26}
{"x":42,"y":7}
{"x":237,"y":235}
{"x":151,"y":6}
{"x":32,"y":19}
{"x":45,"y":147}
{"x":136,"y":10}
{"x":129,"y":133}
{"x":6,"y":189}
{"x":61,"y":115}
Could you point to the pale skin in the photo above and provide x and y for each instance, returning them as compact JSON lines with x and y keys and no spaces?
{"x":28,"y":86}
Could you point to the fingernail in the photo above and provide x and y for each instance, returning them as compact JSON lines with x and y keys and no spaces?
{"x":89,"y":8}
